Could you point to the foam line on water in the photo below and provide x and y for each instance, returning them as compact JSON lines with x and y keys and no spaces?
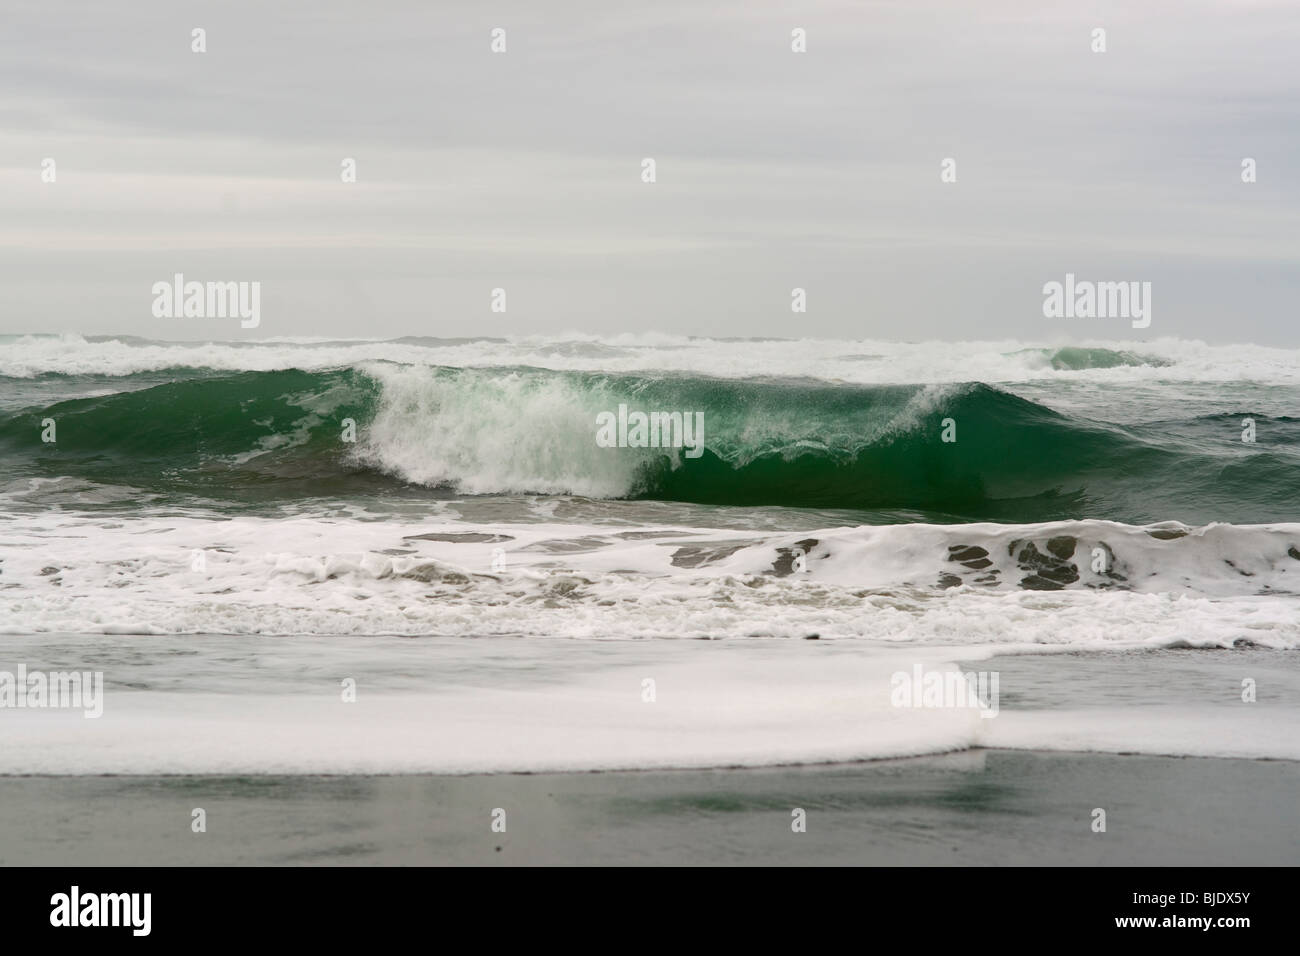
{"x":1212,"y":586}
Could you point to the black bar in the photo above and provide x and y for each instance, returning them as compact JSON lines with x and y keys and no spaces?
{"x":932,"y":906}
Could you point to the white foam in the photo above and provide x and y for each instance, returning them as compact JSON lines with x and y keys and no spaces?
{"x":533,"y":705}
{"x":710,"y":709}
{"x":502,"y":433}
{"x":70,"y":574}
{"x":1244,"y":731}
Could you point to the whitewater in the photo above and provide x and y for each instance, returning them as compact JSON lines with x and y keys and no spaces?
{"x":866,"y":361}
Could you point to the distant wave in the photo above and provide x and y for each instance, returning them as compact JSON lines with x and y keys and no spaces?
{"x":1073,"y":358}
{"x":863,"y":362}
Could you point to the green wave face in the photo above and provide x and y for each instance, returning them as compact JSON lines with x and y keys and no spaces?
{"x":433,"y":432}
{"x":259,"y":434}
{"x":1073,"y":358}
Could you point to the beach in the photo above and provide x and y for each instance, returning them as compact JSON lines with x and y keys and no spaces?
{"x":188,"y":728}
{"x":977,"y":808}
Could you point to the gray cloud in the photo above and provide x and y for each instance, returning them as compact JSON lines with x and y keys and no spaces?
{"x":776,"y":170}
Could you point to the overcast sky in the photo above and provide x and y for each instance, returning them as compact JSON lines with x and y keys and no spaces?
{"x":775,"y":169}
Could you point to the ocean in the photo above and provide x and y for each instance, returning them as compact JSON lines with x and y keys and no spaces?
{"x":413,"y":556}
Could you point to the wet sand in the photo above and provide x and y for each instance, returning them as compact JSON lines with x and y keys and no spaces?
{"x":970,"y":808}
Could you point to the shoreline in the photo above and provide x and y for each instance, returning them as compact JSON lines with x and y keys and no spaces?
{"x":974,"y":807}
